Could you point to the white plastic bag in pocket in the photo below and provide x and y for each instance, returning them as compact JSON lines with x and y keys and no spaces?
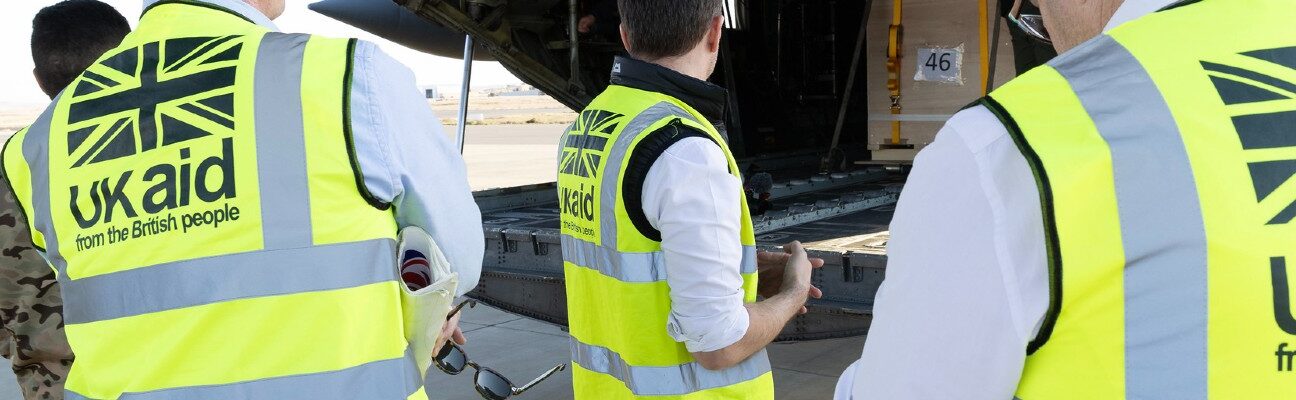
{"x":425,"y":309}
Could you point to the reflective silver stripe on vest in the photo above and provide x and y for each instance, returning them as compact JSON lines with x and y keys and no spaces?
{"x":392,"y":379}
{"x":665,"y":381}
{"x":630,"y":267}
{"x":748,"y":265}
{"x":617,"y":155}
{"x":1161,"y":222}
{"x":37,"y":158}
{"x":228,"y":277}
{"x":281,"y":142}
{"x":625,"y":267}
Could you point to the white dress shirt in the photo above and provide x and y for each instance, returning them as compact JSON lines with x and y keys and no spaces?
{"x":690,"y":196}
{"x":966,"y":283}
{"x":405,"y":158}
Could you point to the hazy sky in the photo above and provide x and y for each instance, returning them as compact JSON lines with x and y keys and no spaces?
{"x":18,"y":88}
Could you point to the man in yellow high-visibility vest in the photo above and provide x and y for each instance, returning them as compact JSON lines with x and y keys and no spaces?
{"x":221,"y":203}
{"x":658,"y":247}
{"x":1117,"y":224}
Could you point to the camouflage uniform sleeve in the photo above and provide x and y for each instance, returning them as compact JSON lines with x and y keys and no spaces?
{"x":31,"y":309}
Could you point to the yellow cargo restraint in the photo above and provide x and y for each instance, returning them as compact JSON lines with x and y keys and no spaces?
{"x":617,"y":298}
{"x":196,"y":193}
{"x":1165,"y":152}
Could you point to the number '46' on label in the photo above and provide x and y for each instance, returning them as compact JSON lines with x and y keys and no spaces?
{"x":940,"y":64}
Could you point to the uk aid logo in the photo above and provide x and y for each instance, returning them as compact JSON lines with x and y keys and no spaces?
{"x":156,"y":97}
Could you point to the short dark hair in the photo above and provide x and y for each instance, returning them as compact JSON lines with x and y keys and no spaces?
{"x":69,"y":36}
{"x":667,"y":28}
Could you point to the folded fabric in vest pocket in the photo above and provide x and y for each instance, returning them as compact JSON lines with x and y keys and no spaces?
{"x":426,"y":293}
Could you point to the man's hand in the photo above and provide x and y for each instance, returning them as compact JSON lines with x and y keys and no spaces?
{"x":585,"y":24}
{"x":449,"y":331}
{"x":796,"y":274}
{"x":789,"y":285}
{"x":771,"y":265}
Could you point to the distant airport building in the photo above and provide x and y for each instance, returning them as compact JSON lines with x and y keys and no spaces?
{"x":517,"y":90}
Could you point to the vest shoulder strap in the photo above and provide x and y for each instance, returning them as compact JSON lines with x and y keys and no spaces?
{"x":1053,"y":246}
{"x":8,"y":176}
{"x":642,"y":158}
{"x":348,"y":129}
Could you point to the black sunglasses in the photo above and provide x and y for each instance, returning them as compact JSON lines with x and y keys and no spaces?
{"x":1032,"y":24}
{"x":470,"y":303}
{"x":490,"y":384}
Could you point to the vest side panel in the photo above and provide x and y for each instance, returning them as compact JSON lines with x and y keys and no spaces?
{"x":17,"y":175}
{"x":1086,"y":340}
{"x":338,"y":211}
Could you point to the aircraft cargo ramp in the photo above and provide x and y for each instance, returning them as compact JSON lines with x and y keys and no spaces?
{"x":842,"y":218}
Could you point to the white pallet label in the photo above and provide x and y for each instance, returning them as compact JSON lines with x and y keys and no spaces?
{"x":939,"y":64}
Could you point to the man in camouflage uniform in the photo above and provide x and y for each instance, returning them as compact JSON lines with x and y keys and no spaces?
{"x":31,"y":310}
{"x":66,"y":38}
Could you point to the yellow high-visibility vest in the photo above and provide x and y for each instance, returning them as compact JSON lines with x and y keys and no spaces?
{"x":618,"y":301}
{"x":1165,"y":152}
{"x":197,"y":193}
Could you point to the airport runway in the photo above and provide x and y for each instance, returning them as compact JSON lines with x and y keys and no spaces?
{"x":521,"y":348}
{"x":510,"y":155}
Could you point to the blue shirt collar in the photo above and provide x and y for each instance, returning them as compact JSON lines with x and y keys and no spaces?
{"x":237,"y":6}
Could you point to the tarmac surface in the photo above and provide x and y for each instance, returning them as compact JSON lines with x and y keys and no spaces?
{"x":521,"y":348}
